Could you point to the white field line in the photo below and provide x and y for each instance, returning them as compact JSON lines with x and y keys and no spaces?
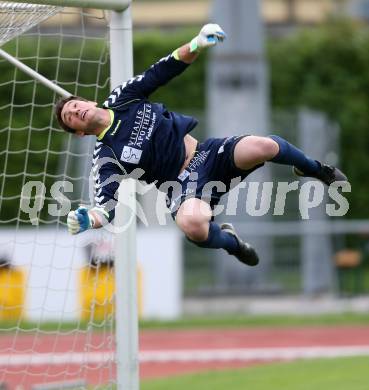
{"x":178,"y":356}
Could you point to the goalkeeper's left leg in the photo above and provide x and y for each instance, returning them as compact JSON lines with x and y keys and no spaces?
{"x":194,"y":218}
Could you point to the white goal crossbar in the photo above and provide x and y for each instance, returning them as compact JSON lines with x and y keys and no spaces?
{"x":113,"y":5}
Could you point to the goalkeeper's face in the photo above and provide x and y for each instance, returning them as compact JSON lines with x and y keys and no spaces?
{"x":82,"y":116}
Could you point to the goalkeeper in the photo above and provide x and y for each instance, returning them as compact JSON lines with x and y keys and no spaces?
{"x":133,"y":132}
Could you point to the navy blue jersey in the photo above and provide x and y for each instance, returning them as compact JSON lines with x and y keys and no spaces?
{"x":142,"y":135}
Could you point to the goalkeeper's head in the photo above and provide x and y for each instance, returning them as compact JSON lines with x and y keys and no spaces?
{"x":80,"y":116}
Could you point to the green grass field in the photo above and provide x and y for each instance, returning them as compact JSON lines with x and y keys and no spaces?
{"x":206,"y":322}
{"x":243,"y":321}
{"x":322,"y":374}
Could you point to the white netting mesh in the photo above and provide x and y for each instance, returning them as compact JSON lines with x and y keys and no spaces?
{"x":56,"y":295}
{"x":15,"y":19}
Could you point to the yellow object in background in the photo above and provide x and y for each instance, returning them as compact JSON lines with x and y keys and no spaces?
{"x":97,"y":286}
{"x":12,"y":293}
{"x":96,"y":292}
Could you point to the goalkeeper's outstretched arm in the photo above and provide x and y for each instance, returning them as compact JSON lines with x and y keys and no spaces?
{"x":166,"y":69}
{"x":208,"y":36}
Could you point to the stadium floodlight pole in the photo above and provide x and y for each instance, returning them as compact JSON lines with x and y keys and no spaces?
{"x":116,"y":5}
{"x":126,"y":313}
{"x":26,"y":69}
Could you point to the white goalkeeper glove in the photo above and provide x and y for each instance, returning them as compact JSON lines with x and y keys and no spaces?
{"x":209,"y":35}
{"x":79,"y":220}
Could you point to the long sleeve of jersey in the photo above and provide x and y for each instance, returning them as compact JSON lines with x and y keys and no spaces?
{"x":107,"y":175}
{"x":141,"y":86}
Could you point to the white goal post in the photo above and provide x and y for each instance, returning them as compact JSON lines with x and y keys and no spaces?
{"x":121,"y":64}
{"x":113,"y":5}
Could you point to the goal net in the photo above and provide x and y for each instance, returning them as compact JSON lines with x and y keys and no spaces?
{"x":56,"y":290}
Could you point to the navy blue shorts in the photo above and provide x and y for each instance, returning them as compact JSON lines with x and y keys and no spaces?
{"x":208,"y":175}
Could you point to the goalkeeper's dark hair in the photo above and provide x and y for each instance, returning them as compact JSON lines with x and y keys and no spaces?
{"x":59,"y":108}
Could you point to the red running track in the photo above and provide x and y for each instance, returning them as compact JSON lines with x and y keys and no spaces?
{"x":20,"y":374}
